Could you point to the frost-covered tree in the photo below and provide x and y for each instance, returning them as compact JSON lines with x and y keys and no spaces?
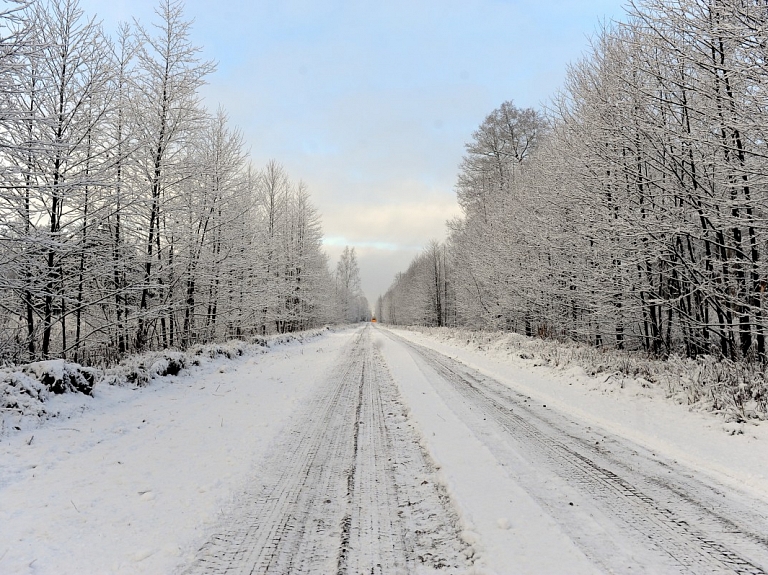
{"x":637,"y":218}
{"x":169,"y":112}
{"x":352,"y":304}
{"x":58,"y":159}
{"x":130,"y":216}
{"x":423,"y":294}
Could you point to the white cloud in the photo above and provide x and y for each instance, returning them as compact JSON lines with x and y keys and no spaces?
{"x":386,"y":236}
{"x":405,"y":225}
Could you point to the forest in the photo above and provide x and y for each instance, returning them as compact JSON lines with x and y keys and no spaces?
{"x":630,"y":212}
{"x":131,"y":217}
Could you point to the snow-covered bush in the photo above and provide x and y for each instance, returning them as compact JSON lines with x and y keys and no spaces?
{"x":285,"y":338}
{"x":22,"y":394}
{"x":58,"y":376}
{"x":230,"y":349}
{"x":25,"y":388}
{"x":139,"y":370}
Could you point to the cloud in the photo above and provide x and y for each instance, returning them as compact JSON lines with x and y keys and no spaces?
{"x":386,"y":237}
{"x":404,"y":225}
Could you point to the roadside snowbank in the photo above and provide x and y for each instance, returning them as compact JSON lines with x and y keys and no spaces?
{"x":738,"y":391}
{"x":729,"y":451}
{"x":29,"y":394}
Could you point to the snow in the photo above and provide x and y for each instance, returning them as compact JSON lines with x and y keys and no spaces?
{"x":130,"y":481}
{"x":507,"y":526}
{"x":730,"y":452}
{"x":134,"y":479}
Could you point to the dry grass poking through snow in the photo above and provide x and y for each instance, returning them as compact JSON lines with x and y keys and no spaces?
{"x":737,"y":390}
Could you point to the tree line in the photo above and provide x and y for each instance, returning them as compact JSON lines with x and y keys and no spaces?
{"x":130,"y":216}
{"x":631,"y":212}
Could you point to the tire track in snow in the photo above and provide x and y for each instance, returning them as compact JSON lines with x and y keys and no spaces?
{"x":641,"y":503}
{"x":348,"y":490}
{"x":372,"y":527}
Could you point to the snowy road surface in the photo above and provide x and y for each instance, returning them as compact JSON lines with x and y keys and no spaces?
{"x":365,"y":451}
{"x":347,"y":490}
{"x":625,"y":508}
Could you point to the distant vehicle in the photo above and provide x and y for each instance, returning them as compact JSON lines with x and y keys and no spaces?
{"x":373,"y":320}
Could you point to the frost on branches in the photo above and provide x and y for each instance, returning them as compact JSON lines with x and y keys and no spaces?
{"x":130,"y":216}
{"x":631,"y":215}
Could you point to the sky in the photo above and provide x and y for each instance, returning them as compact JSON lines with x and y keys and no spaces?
{"x":371,"y":103}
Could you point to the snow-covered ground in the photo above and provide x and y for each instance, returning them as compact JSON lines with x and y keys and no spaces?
{"x":462,"y":460}
{"x":736,"y":453}
{"x":531,"y":520}
{"x":133,"y":483}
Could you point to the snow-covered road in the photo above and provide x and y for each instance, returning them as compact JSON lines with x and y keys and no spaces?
{"x":363,"y":451}
{"x":624,"y":508}
{"x":345,"y":490}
